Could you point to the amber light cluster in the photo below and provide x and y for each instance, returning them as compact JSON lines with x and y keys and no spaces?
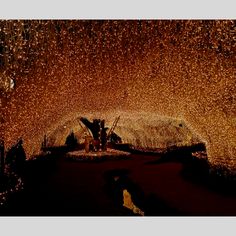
{"x":181,"y":69}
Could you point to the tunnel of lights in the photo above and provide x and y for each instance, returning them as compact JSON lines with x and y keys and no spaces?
{"x":149,"y":72}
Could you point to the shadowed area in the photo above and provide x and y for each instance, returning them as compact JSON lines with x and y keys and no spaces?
{"x":178,"y":186}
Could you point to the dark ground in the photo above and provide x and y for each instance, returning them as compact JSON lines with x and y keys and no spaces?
{"x":55,"y":186}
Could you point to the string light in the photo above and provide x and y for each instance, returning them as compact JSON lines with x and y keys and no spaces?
{"x":183,"y":69}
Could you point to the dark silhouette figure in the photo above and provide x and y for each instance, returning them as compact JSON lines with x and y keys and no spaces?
{"x":16,"y":157}
{"x":99,"y":132}
{"x":20,"y":155}
{"x":95,"y":128}
{"x":71,"y":140}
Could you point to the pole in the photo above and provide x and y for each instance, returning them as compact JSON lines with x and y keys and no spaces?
{"x":113,"y":126}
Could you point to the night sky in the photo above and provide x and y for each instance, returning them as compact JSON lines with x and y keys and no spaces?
{"x":61,"y":69}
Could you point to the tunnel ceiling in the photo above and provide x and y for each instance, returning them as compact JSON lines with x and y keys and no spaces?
{"x":51,"y":71}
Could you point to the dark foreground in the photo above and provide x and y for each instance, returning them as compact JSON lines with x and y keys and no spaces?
{"x":55,"y":186}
